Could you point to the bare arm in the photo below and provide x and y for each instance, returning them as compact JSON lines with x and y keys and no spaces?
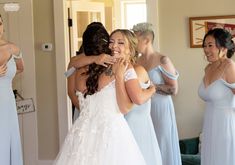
{"x":71,"y":85}
{"x":164,"y":89}
{"x":72,"y":90}
{"x":136,"y":93}
{"x":171,"y":85}
{"x":20,"y":65}
{"x":83,"y":60}
{"x":123,"y":99}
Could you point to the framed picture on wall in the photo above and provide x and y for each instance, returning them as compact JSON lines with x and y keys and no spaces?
{"x":199,"y":26}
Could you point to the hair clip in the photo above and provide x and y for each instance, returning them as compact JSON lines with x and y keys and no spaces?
{"x":104,"y":40}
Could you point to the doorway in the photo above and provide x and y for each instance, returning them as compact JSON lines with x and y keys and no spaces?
{"x":80,"y":14}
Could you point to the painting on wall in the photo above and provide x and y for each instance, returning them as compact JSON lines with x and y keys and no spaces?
{"x":199,"y":26}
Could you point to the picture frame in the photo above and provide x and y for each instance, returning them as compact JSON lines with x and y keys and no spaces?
{"x":198,"y":27}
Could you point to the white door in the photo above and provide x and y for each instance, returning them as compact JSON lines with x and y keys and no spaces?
{"x":82,"y":13}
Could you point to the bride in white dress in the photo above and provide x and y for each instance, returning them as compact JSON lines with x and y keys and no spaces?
{"x":100,"y":136}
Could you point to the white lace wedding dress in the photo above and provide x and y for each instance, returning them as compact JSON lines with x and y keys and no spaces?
{"x":100,"y":136}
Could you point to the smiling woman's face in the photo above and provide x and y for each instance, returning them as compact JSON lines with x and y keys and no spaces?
{"x":119,"y":45}
{"x":212,"y":52}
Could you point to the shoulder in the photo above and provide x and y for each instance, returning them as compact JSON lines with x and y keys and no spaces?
{"x":139,"y":68}
{"x":14,"y":48}
{"x":229,"y":71}
{"x":164,"y":60}
{"x":166,"y":63}
{"x":229,"y":66}
{"x":141,"y":73}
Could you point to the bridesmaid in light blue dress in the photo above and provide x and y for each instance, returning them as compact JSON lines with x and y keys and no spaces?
{"x":10,"y":149}
{"x":163,"y":116}
{"x":10,"y":144}
{"x":164,"y":76}
{"x":140,"y":122}
{"x":217,"y":89}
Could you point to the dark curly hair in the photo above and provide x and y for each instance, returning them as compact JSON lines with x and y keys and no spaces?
{"x":222,"y":39}
{"x":95,"y":42}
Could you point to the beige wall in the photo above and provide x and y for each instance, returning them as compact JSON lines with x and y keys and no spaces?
{"x":174,"y":42}
{"x":45,"y":80}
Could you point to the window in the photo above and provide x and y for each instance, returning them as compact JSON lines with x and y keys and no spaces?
{"x":133,"y":12}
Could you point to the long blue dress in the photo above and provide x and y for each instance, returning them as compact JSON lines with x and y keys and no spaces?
{"x":10,"y":145}
{"x":218,"y":135}
{"x":163,"y":116}
{"x":140,"y":122}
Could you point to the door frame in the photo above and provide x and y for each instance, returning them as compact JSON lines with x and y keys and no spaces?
{"x":62,"y":53}
{"x":62,"y":59}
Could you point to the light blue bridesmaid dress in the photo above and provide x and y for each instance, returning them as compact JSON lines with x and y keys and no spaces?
{"x":10,"y":145}
{"x":163,"y":116}
{"x":140,"y":122}
{"x":218,"y":135}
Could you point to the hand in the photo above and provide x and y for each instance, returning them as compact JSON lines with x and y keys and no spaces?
{"x":152,"y":88}
{"x":105,"y":59}
{"x":119,"y":67}
{"x":3,"y":70}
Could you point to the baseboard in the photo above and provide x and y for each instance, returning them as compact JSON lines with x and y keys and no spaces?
{"x":45,"y":162}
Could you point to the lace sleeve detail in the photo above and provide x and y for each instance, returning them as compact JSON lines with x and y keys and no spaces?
{"x":130,"y":74}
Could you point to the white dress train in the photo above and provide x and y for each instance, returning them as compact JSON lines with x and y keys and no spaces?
{"x":100,"y":136}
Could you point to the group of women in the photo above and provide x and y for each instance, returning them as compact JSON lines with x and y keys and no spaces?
{"x":132,"y":89}
{"x":122,"y":88}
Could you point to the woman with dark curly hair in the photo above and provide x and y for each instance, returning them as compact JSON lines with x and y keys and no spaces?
{"x":217,"y":90}
{"x":101,"y":136}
